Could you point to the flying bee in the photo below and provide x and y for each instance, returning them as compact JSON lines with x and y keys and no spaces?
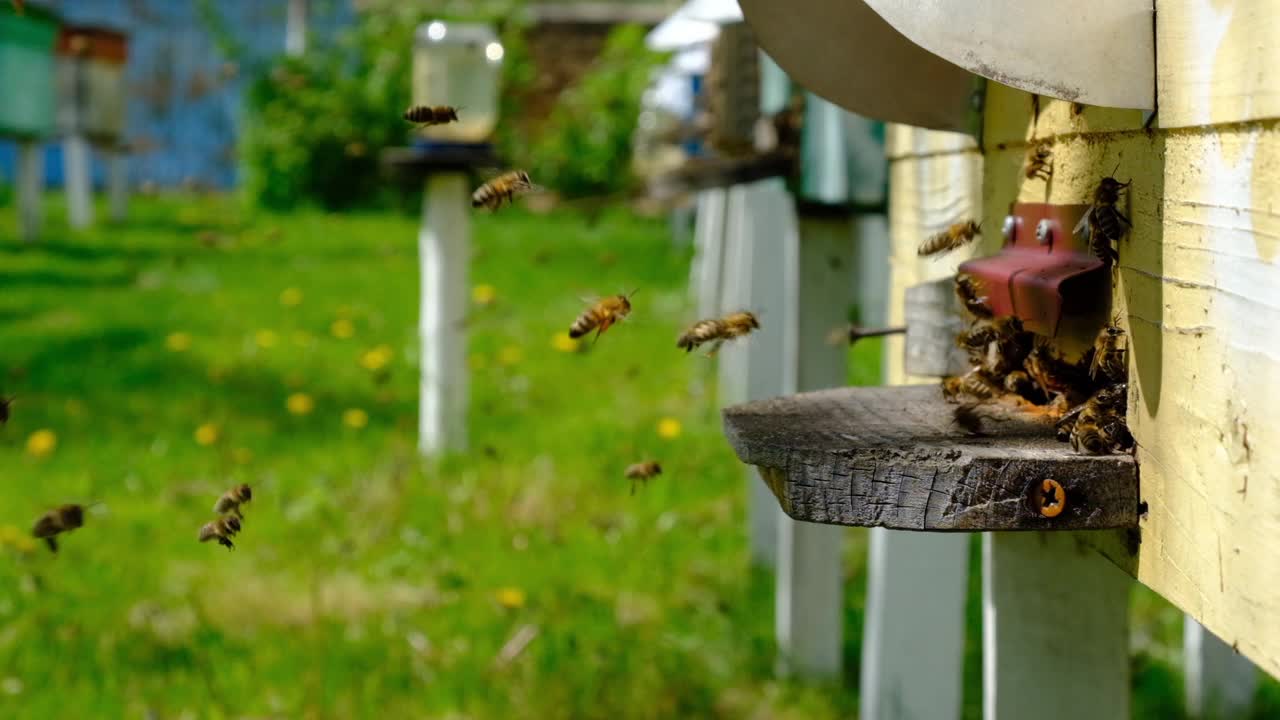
{"x":1109,"y":355}
{"x":717,"y":330}
{"x":601,"y":315}
{"x":969,"y":290}
{"x":642,"y":471}
{"x":63,"y":518}
{"x":222,"y":530}
{"x":5,"y":402}
{"x":958,"y":234}
{"x":503,"y":188}
{"x":1103,"y":222}
{"x":1039,"y":162}
{"x":232,"y":499}
{"x":428,"y":115}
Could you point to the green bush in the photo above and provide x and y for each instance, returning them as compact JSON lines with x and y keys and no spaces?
{"x":585,"y":148}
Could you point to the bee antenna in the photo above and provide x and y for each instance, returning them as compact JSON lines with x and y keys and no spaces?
{"x":1115,"y":169}
{"x":632,"y":293}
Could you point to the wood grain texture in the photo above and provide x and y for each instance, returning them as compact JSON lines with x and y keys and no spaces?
{"x":934,"y":319}
{"x":891,"y":457}
{"x":1218,"y":62}
{"x":1196,"y":293}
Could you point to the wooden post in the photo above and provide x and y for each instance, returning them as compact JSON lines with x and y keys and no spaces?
{"x":709,"y":246}
{"x":810,"y":583}
{"x":1055,"y":630}
{"x":443,"y":248}
{"x":913,"y":603}
{"x":295,"y":29}
{"x":30,"y":187}
{"x":75,"y":170}
{"x":1220,"y":682}
{"x":118,"y":184}
{"x":760,"y":271}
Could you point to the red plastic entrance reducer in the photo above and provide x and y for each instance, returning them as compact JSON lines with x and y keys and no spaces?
{"x":1043,"y":272}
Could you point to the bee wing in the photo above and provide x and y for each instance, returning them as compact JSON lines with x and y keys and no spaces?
{"x":208,"y":532}
{"x":1081,"y":230}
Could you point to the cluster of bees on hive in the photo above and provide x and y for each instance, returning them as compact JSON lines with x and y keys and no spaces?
{"x":1014,"y":371}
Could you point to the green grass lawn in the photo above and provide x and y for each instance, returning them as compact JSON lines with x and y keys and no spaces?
{"x":169,"y":357}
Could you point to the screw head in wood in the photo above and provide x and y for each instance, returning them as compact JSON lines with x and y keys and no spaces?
{"x":1044,"y":231}
{"x":1048,"y":498}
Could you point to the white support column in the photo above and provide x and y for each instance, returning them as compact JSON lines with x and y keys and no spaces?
{"x":75,"y":172}
{"x":709,"y":250}
{"x":443,"y":248}
{"x":1055,"y":618}
{"x":809,"y":597}
{"x":118,"y":184}
{"x":295,"y":29}
{"x":913,"y":644}
{"x":1220,"y":682}
{"x":30,"y":188}
{"x":760,"y":271}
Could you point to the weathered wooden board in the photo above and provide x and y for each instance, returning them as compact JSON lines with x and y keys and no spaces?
{"x":892,"y":457}
{"x":1196,"y":292}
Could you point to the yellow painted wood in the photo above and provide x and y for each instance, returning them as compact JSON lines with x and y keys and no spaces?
{"x":1218,"y":62}
{"x":1199,"y":291}
{"x":936,"y":180}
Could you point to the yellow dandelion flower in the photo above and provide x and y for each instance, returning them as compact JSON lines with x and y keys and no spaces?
{"x":208,"y":434}
{"x":375,"y":359}
{"x":291,"y":297}
{"x":177,"y":342}
{"x":355,"y":418}
{"x":510,"y":355}
{"x":342,"y":328}
{"x":669,"y":428}
{"x":562,"y":342}
{"x":483,"y":294}
{"x":300,"y":404}
{"x":242,"y":455}
{"x":266,"y":338}
{"x":511,"y":598}
{"x":42,"y":443}
{"x":9,"y":534}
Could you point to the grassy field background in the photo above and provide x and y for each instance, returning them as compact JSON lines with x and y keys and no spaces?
{"x":199,"y":346}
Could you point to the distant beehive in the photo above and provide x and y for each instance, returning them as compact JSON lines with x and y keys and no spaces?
{"x":733,"y":90}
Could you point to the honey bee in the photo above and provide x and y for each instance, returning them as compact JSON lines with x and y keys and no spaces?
{"x":969,"y":290}
{"x":63,"y":518}
{"x":601,"y":315}
{"x":1089,"y":438}
{"x":953,"y":237}
{"x":1020,"y":383}
{"x":642,"y":471}
{"x":5,"y":402}
{"x":1109,"y":355}
{"x":504,"y":188}
{"x":232,"y":499}
{"x":428,"y":115}
{"x":222,"y":530}
{"x":717,"y":330}
{"x":1051,"y":372}
{"x":1097,"y":426}
{"x":974,"y":384}
{"x":1103,"y":221}
{"x":1039,"y":162}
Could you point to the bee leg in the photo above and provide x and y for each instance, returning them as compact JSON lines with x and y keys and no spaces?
{"x":52,"y":543}
{"x":633,"y":487}
{"x":715,"y":348}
